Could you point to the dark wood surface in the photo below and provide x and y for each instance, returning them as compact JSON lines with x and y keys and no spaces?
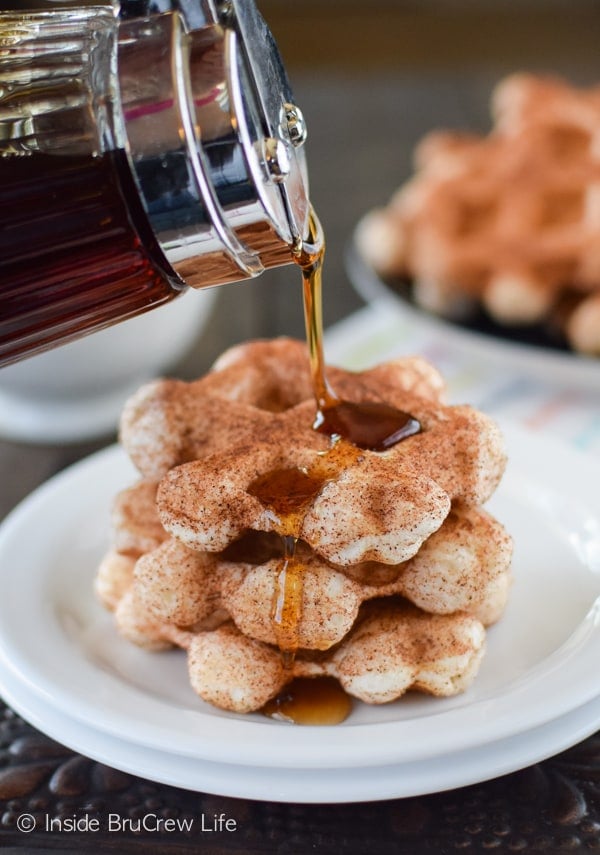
{"x":363,"y":124}
{"x":552,"y":807}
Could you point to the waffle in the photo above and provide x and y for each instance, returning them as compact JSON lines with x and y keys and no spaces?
{"x":509,"y":221}
{"x":464,"y":566}
{"x":168,"y":422}
{"x":396,"y":570}
{"x":375,"y":506}
{"x":391,"y":648}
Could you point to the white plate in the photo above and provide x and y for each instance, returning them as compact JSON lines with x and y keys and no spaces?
{"x":77,"y":391}
{"x":562,"y":368}
{"x":305,"y":785}
{"x":542,"y":659}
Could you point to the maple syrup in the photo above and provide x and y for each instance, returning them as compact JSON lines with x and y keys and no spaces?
{"x":286,"y":608}
{"x":310,"y":701}
{"x":76,"y":249}
{"x":309,"y":257}
{"x":372,"y":425}
{"x":369,"y":425}
{"x":288,"y":493}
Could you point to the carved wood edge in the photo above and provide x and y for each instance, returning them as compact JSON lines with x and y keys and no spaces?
{"x":551,"y":807}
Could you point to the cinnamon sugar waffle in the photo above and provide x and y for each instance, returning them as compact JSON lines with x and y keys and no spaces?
{"x":208,"y":502}
{"x":464,"y":566}
{"x":509,"y":221}
{"x":396,"y":570}
{"x":392,"y":648}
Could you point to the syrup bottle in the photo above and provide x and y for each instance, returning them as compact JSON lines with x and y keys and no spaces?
{"x":142,"y":150}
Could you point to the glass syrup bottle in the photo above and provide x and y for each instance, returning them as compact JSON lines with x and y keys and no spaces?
{"x":144,"y":149}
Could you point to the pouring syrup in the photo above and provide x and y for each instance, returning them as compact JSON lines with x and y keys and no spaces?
{"x":288,"y":493}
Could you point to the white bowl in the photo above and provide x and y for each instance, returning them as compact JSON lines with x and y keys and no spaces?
{"x":76,"y":391}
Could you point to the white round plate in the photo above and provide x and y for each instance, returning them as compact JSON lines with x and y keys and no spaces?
{"x":541,"y":662}
{"x":77,"y":391}
{"x":561,"y":368}
{"x":305,"y":785}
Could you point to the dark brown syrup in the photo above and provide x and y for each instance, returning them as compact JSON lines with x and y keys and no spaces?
{"x":310,"y":701}
{"x":371,"y":425}
{"x":287,"y":493}
{"x":286,"y":608}
{"x":76,"y":249}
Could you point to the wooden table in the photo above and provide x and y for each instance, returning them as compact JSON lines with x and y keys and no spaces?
{"x":362,"y":130}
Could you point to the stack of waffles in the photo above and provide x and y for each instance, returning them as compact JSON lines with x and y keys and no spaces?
{"x":268,"y":550}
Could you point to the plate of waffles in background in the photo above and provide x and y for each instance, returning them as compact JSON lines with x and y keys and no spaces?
{"x":494,"y":242}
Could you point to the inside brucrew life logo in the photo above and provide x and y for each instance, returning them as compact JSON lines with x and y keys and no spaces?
{"x":150,"y":823}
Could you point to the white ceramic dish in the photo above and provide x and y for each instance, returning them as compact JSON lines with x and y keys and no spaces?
{"x":304,"y":785}
{"x":551,"y":366}
{"x":541,"y":662}
{"x":77,"y":390}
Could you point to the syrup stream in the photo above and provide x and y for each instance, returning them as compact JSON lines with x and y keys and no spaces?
{"x":288,"y":493}
{"x":310,"y":260}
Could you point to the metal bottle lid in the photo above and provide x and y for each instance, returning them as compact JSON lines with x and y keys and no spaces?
{"x":213,"y":136}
